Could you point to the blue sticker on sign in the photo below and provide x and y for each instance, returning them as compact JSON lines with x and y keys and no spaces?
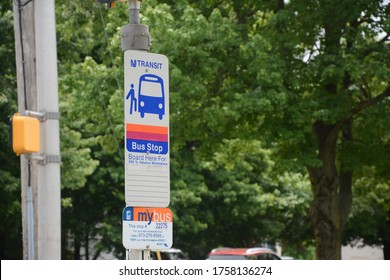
{"x":144,"y":146}
{"x":128,"y":214}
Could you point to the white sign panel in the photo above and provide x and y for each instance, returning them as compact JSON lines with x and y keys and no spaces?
{"x":147,"y":228}
{"x":146,"y":98}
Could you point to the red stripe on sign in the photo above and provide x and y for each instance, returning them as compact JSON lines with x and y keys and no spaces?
{"x":147,"y":128}
{"x":146,"y":136}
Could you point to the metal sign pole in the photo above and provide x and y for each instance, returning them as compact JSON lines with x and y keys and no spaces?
{"x":138,"y":254}
{"x":135,"y":36}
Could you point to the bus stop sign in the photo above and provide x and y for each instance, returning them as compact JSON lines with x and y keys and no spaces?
{"x":146,"y":110}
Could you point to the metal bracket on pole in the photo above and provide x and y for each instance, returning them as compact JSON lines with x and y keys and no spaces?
{"x":43,"y":115}
{"x":44,"y":159}
{"x":138,"y":254}
{"x":135,"y":36}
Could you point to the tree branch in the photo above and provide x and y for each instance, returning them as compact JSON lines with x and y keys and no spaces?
{"x":360,"y":107}
{"x":384,"y":39}
{"x":367,"y":103}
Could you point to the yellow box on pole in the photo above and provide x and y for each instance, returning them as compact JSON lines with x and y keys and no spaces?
{"x":25,"y":134}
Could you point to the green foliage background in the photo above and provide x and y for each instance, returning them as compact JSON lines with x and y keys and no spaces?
{"x":244,"y":95}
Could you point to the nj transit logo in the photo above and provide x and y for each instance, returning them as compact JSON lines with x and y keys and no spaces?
{"x":146,"y":64}
{"x":147,"y":139}
{"x":151,"y":96}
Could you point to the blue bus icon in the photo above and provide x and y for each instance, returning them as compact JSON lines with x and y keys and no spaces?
{"x":151,"y":95}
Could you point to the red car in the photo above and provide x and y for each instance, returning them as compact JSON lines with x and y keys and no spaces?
{"x":243,"y":254}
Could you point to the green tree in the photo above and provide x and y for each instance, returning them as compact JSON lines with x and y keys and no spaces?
{"x":307,"y":76}
{"x":92,"y":132}
{"x":370,"y":218}
{"x":332,"y":71}
{"x":223,"y":183}
{"x":10,"y":212}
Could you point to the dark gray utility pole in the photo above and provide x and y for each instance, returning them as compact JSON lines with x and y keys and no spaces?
{"x":27,"y":100}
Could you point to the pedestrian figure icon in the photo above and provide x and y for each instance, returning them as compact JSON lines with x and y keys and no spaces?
{"x":133,"y":99}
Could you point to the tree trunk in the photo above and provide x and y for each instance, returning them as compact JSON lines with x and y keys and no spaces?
{"x":77,"y":247}
{"x":324,"y":216}
{"x":385,"y":236}
{"x":386,"y":250}
{"x":86,"y":237}
{"x":331,"y":194}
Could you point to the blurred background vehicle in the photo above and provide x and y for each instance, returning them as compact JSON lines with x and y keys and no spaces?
{"x":287,"y":258}
{"x":169,"y":254}
{"x":257,"y":253}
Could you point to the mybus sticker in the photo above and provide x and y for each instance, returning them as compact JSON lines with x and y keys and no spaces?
{"x":147,"y":214}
